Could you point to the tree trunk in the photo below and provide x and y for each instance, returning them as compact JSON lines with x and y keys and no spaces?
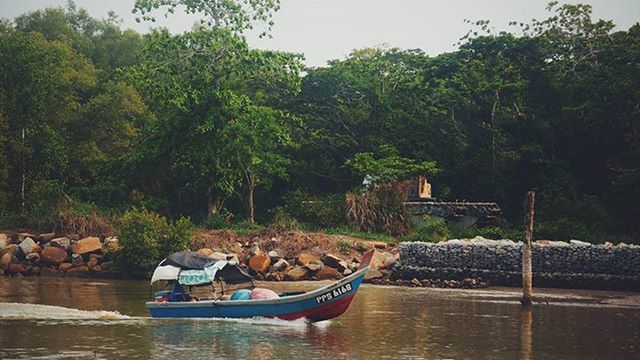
{"x":215,"y":204}
{"x":494,"y":158}
{"x":527,"y":281}
{"x":250,"y":199}
{"x":24,"y":170}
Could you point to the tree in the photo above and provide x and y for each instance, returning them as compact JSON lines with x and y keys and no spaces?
{"x":198,"y":99}
{"x":40,"y":85}
{"x":254,"y":144}
{"x":389,"y":167}
{"x":234,"y":15}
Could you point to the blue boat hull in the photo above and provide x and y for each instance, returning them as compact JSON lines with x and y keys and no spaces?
{"x":317,"y":305}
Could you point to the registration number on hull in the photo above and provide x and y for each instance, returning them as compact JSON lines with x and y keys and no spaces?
{"x":334,"y":293}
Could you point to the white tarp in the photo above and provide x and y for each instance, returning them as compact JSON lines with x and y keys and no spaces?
{"x":187,"y":277}
{"x":167,"y":272}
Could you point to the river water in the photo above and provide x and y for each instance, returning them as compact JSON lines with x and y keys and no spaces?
{"x":105,"y":319}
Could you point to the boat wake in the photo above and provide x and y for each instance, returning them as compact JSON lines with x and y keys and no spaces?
{"x":20,"y":311}
{"x":299,"y":323}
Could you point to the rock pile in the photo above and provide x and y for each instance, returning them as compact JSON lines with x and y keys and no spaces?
{"x":307,"y":265}
{"x":575,"y":264}
{"x":25,"y":254}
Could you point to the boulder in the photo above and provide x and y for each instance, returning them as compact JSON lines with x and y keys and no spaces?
{"x":260,"y":263}
{"x":33,"y":257}
{"x":373,"y":274}
{"x":35,"y":270}
{"x":63,"y":243}
{"x":27,"y":245}
{"x":77,"y":260}
{"x":328,"y":273}
{"x":297,"y":273}
{"x":254,"y":250}
{"x":331,"y":260}
{"x":279,"y":265}
{"x":205,"y":251}
{"x":65,"y":266}
{"x":347,"y":272}
{"x":24,"y":235}
{"x":53,"y":255}
{"x":9,"y":249}
{"x":46,"y":237}
{"x":4,"y":241}
{"x":92,"y":264}
{"x":79,"y":272}
{"x":36,"y":249}
{"x":87,"y":245}
{"x":378,"y":260}
{"x":313,"y":267}
{"x":18,"y":268}
{"x":107,"y":266}
{"x":305,"y":258}
{"x":98,"y":257}
{"x":274,"y":256}
{"x":8,"y":259}
{"x":416,"y":282}
{"x":579,"y":243}
{"x":49,"y":272}
{"x":378,"y":244}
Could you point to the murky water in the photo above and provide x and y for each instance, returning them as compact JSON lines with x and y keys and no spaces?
{"x":107,"y":320}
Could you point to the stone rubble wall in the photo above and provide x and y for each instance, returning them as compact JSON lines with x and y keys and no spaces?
{"x":555,"y":264}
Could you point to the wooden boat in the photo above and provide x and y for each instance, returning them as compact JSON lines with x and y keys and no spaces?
{"x":191,"y":268}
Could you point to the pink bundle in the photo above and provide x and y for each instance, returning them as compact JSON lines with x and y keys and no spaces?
{"x":263,"y":294}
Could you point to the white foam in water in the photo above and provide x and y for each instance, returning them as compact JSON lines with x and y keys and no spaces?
{"x":21,"y":311}
{"x":298,"y":323}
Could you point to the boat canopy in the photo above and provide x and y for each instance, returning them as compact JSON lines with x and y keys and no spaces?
{"x":191,"y":268}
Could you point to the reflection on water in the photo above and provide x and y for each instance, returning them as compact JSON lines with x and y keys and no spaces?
{"x":382,"y":323}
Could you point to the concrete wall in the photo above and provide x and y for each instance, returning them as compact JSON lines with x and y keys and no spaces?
{"x":555,"y":264}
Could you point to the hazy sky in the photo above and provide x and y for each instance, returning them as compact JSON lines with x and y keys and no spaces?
{"x":330,"y":29}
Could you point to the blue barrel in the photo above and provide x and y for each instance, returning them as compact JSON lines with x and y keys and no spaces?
{"x":242,"y":294}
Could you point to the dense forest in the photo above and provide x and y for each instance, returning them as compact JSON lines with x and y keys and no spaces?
{"x":96,"y":119}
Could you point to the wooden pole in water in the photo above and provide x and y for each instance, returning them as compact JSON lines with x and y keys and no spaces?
{"x":527,"y":282}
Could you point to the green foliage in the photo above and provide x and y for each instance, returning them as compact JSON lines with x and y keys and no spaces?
{"x":389,"y":166}
{"x":282,"y":221}
{"x":192,"y":123}
{"x":316,"y":212}
{"x":428,"y":229}
{"x":232,"y":14}
{"x":145,"y":238}
{"x":246,"y":227}
{"x":215,"y":222}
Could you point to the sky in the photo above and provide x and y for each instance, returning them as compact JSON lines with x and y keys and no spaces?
{"x":330,"y":29}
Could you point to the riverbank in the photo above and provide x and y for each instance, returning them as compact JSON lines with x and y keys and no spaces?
{"x":267,"y":254}
{"x":276,"y":255}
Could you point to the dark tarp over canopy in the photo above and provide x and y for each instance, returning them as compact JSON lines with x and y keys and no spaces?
{"x":189,"y":260}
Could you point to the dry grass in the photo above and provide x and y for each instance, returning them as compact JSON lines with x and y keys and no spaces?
{"x":379,"y":209}
{"x":92,"y":224}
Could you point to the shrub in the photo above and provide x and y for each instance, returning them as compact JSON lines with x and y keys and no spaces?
{"x":145,"y":238}
{"x":380,"y":209}
{"x":215,"y":222}
{"x":318,"y":212}
{"x":282,"y":221}
{"x":428,"y":229}
{"x":84,"y":219}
